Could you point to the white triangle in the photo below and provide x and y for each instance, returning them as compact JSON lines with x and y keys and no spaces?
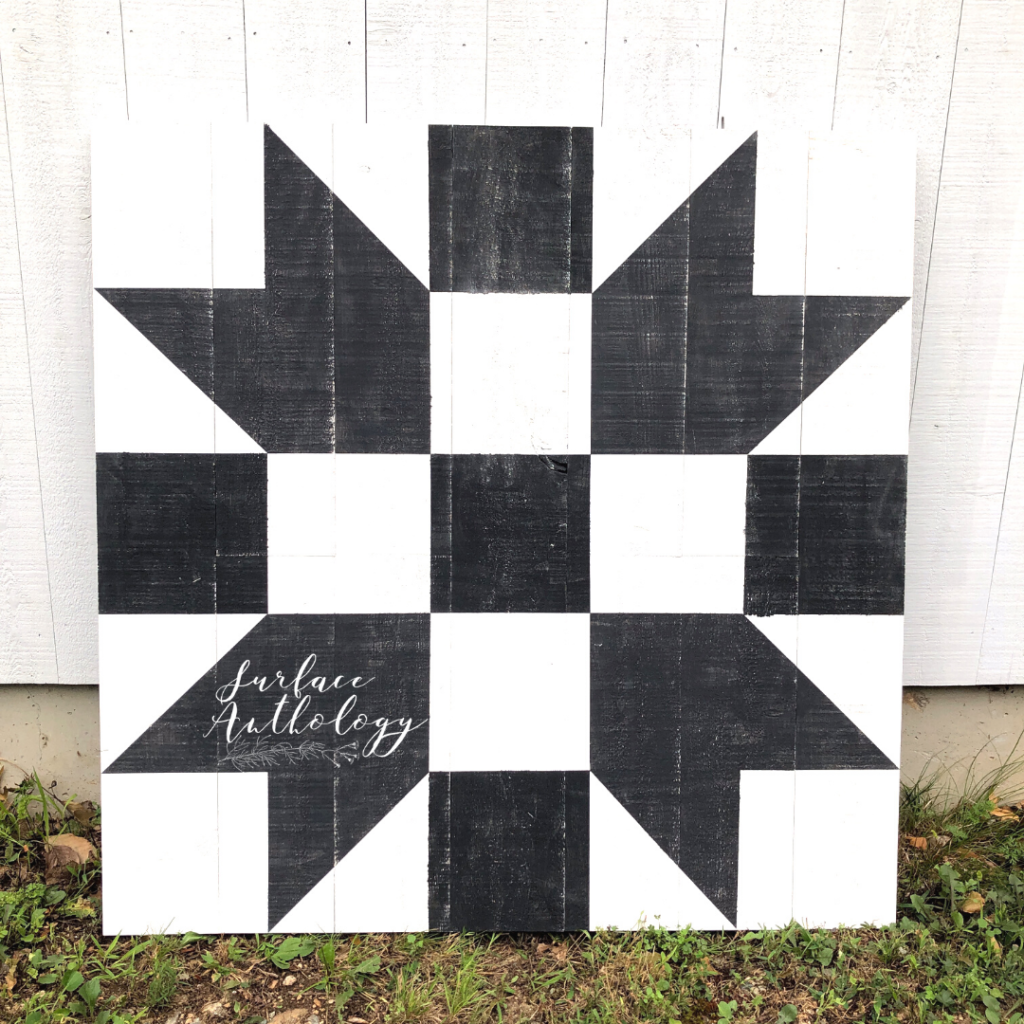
{"x":641,"y":176}
{"x":232,"y":628}
{"x":855,"y":660}
{"x":314,"y":912}
{"x":784,"y":439}
{"x":148,"y":661}
{"x":381,"y":885}
{"x":381,"y":175}
{"x":781,"y":630}
{"x":229,"y":438}
{"x":144,"y":403}
{"x":862,"y":408}
{"x":633,"y":882}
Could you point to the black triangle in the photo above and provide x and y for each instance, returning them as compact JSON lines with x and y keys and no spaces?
{"x":825,"y":736}
{"x":178,"y":321}
{"x":835,"y":326}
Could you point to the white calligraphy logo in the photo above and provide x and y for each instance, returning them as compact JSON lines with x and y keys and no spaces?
{"x":294,"y":715}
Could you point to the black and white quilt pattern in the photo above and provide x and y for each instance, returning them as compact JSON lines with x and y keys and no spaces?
{"x":536,"y":568}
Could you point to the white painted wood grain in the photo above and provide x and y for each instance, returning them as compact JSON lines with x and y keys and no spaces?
{"x":545,"y":61}
{"x":894,"y":73}
{"x":60,"y":70}
{"x":971,"y":355}
{"x":305,"y":58}
{"x":27,"y":651}
{"x":426,"y":60}
{"x":184,"y":59}
{"x":779,"y":63}
{"x":662,"y":64}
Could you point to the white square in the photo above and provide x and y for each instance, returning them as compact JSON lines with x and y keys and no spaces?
{"x":667,"y":533}
{"x":510,"y":692}
{"x":510,"y":373}
{"x":348,"y":533}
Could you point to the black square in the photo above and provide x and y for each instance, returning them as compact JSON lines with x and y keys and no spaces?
{"x":181,"y":533}
{"x":510,"y":533}
{"x":825,"y":534}
{"x":510,"y":209}
{"x":509,"y":851}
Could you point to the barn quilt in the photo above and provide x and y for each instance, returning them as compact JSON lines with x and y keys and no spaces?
{"x":499,"y":527}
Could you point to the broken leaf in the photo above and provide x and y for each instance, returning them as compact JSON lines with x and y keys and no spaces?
{"x":973,"y":903}
{"x":918,"y":842}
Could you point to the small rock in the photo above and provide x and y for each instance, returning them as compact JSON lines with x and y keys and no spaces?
{"x":173,"y":1019}
{"x":289,"y":980}
{"x":213,"y":1010}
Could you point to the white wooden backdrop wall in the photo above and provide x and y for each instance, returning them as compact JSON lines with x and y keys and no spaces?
{"x":951,"y":70}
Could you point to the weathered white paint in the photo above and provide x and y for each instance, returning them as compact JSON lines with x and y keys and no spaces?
{"x":947,"y":69}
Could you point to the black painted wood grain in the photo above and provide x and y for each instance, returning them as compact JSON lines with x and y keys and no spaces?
{"x":275,"y":347}
{"x":510,"y":208}
{"x":181,"y":533}
{"x":771,"y":567}
{"x":852,"y":528}
{"x":510,"y":533}
{"x":156,"y":533}
{"x":825,"y":534}
{"x":381,"y":345}
{"x":241,"y":482}
{"x":509,"y":851}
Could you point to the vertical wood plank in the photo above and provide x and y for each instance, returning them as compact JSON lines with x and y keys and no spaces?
{"x":662,"y":63}
{"x":27,"y":651}
{"x":894,"y":73}
{"x":971,"y":354}
{"x":779,"y":64}
{"x":184,"y":58}
{"x":62,"y":68}
{"x":305,"y":59}
{"x":426,"y":60}
{"x":545,"y":62}
{"x":1002,"y":648}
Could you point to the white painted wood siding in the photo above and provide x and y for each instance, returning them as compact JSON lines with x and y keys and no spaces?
{"x":950,"y":70}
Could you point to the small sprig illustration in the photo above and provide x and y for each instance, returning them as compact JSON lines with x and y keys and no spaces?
{"x":259,"y":754}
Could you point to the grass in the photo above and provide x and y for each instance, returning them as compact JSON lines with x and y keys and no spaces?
{"x":956,"y":953}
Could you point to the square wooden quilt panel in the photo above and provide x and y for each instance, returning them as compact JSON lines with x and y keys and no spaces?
{"x":500,"y":528}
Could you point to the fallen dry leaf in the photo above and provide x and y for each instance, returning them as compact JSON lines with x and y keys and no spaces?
{"x":996,"y":948}
{"x":82,"y":812}
{"x":973,"y":904}
{"x":62,"y":851}
{"x":542,"y":947}
{"x":355,"y":1020}
{"x":1004,"y":812}
{"x":918,"y":842}
{"x":560,"y":953}
{"x":297,"y":1016}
